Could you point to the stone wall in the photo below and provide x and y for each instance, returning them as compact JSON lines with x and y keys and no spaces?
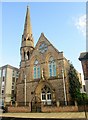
{"x":60,"y":109}
{"x":64,"y":109}
{"x":49,"y":109}
{"x":19,"y":109}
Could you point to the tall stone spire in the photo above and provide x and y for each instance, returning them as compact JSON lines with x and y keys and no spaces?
{"x":27,"y":45}
{"x":27,"y":26}
{"x":27,"y":38}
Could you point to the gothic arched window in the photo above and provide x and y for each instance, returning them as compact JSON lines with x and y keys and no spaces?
{"x":28,"y":55}
{"x":24,"y":55}
{"x":36,"y":69}
{"x":28,"y":39}
{"x":46,"y":95}
{"x":24,"y":39}
{"x":52,"y":67}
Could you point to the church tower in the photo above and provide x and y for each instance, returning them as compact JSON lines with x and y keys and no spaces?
{"x":27,"y":44}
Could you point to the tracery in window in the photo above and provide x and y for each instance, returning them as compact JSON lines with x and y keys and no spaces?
{"x":46,"y":95}
{"x":52,"y":67}
{"x":36,"y":69}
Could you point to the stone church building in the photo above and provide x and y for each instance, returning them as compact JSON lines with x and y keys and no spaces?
{"x":43,"y":75}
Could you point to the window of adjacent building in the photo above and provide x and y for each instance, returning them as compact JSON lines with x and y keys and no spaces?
{"x":16,"y":79}
{"x":3,"y":85}
{"x":13,"y":80}
{"x":12,"y":92}
{"x":46,"y":95}
{"x":13,"y":83}
{"x":0,"y":73}
{"x":36,"y":69}
{"x":52,"y":67}
{"x":3,"y":82}
{"x":3,"y":78}
{"x":13,"y":74}
{"x":17,"y":74}
{"x":13,"y":87}
{"x":2,"y":92}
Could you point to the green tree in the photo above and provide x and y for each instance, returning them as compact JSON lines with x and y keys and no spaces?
{"x":74,"y":84}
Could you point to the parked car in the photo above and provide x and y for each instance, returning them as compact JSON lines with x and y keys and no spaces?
{"x":2,"y":108}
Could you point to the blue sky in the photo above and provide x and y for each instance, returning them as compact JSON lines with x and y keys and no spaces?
{"x":61,"y":22}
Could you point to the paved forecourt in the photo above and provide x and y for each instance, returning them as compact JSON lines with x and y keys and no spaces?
{"x":45,"y":115}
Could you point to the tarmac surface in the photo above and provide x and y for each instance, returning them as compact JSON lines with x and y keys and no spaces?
{"x":60,"y":115}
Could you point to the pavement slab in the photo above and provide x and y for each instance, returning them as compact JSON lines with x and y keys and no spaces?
{"x":65,"y":115}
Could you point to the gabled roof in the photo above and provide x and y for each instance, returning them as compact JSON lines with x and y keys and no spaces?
{"x":9,"y":66}
{"x":42,"y":35}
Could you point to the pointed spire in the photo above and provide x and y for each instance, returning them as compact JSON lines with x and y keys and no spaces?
{"x":27,"y":26}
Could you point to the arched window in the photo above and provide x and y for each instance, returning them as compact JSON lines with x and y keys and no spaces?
{"x":28,"y":55}
{"x":52,"y":67}
{"x":24,"y":55}
{"x":28,"y":39}
{"x":36,"y":69}
{"x":46,"y":95}
{"x":24,"y":39}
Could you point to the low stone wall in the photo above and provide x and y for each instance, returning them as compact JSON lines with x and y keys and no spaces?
{"x":48,"y":109}
{"x":59,"y":109}
{"x":19,"y":109}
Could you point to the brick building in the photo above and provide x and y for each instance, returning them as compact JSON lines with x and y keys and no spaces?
{"x":84,"y":60}
{"x":43,"y":70}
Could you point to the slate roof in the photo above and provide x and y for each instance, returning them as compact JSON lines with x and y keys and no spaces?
{"x":83,"y":56}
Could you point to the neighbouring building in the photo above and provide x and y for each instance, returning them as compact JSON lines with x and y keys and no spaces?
{"x":43,"y":73}
{"x":84,"y":61}
{"x":8,"y":79}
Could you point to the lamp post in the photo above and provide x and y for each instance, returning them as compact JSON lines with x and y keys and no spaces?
{"x":64,"y":87}
{"x":25,"y":87}
{"x":25,"y":81}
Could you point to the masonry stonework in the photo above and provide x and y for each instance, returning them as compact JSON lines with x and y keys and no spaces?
{"x":41,"y":78}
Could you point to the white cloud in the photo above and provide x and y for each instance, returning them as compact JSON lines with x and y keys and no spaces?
{"x":80,"y":23}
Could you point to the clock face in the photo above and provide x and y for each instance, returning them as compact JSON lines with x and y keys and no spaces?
{"x":43,"y":48}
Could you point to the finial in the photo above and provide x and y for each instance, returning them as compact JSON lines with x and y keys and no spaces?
{"x":42,"y":33}
{"x":27,"y":7}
